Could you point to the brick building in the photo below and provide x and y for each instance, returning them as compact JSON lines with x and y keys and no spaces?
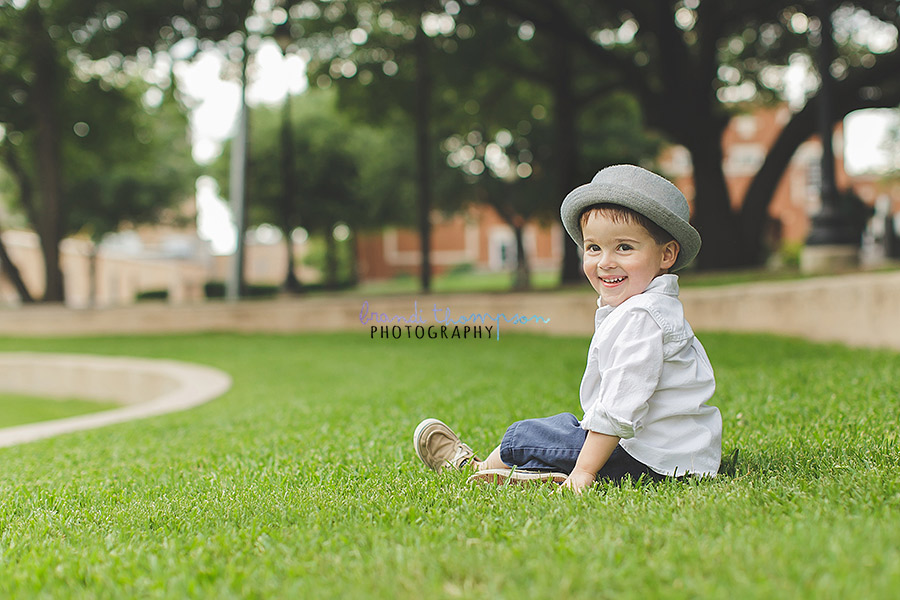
{"x":477,"y":238}
{"x":745,"y":144}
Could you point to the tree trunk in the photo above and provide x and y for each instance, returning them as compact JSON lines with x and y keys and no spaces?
{"x":354,"y":252}
{"x":755,"y":206}
{"x":44,"y":94}
{"x":291,"y":283}
{"x":92,"y":274}
{"x":26,"y":196}
{"x":423,"y":86}
{"x":331,"y":259}
{"x":522,"y":273}
{"x":723,"y":244}
{"x":522,"y":277}
{"x":565,"y":118}
{"x":12,"y":273}
{"x":23,"y":180}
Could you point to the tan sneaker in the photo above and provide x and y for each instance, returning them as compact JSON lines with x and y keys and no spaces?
{"x":516,"y":477}
{"x":440,"y":448}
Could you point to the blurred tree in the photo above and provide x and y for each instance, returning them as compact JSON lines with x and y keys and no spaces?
{"x":129,"y":167}
{"x":131,"y":163}
{"x":387,"y":59}
{"x":11,"y":271}
{"x":9,"y":189}
{"x":47,"y":49}
{"x":419,"y":59}
{"x":694,"y":63}
{"x":508,"y":142}
{"x":345,"y":172}
{"x":550,"y":121}
{"x":123,"y":161}
{"x":512,"y":169}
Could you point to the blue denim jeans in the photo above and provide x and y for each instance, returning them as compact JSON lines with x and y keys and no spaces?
{"x":553,"y":444}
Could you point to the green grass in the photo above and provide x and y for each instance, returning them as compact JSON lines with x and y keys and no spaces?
{"x":18,"y":409}
{"x":467,"y":281}
{"x":302,"y":482}
{"x":697,"y":279}
{"x":472,"y":281}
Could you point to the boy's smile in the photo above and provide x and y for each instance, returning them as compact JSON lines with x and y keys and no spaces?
{"x":621,"y":259}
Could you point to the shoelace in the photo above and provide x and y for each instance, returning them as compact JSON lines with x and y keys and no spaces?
{"x":463,"y":455}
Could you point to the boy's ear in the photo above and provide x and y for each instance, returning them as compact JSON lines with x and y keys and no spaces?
{"x":670,"y":254}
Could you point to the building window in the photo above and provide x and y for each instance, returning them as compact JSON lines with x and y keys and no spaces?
{"x":745,"y":126}
{"x":813,"y":186}
{"x":501,"y":249}
{"x":744,"y":160}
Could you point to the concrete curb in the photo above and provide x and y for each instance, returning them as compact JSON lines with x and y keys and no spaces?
{"x":861,"y":309}
{"x":145,"y":388}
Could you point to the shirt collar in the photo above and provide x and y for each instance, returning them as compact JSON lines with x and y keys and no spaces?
{"x":666,"y":283}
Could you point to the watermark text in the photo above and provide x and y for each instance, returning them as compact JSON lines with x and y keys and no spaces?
{"x":443,"y":323}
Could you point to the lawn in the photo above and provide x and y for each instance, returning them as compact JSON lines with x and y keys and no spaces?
{"x":302,"y":482}
{"x":18,"y":409}
{"x":454,"y":282}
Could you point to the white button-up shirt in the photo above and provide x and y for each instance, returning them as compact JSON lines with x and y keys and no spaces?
{"x":648,"y":381}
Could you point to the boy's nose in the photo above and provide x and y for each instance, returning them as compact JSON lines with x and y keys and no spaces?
{"x":606,"y":262}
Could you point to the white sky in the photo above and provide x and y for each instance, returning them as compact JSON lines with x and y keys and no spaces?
{"x":213,"y":121}
{"x":864,"y":136}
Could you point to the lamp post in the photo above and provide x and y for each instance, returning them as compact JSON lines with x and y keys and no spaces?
{"x":292,"y":284}
{"x":833,"y":240}
{"x":234,"y":285}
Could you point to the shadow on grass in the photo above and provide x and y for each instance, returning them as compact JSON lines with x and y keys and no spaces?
{"x":729,"y":465}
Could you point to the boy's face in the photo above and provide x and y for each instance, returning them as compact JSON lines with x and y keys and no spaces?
{"x":621,"y":259}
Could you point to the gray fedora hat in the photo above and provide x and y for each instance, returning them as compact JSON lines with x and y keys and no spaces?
{"x":643,"y":192}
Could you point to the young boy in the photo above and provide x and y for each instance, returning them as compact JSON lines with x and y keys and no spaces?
{"x":647,"y":382}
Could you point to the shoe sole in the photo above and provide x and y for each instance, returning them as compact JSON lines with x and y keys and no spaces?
{"x":516,"y":477}
{"x":418,"y":433}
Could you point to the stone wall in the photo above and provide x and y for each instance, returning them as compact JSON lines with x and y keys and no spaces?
{"x":858,"y":309}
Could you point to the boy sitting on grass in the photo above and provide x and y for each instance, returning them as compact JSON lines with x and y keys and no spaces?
{"x":648,"y":380}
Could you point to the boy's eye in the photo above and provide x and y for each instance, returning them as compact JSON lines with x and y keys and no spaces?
{"x":625,"y":247}
{"x":593,"y":247}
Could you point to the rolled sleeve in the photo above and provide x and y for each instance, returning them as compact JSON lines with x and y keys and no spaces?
{"x":629,"y":371}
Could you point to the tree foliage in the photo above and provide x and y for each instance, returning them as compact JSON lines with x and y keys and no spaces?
{"x":693,"y":64}
{"x":66,"y":57}
{"x":132,"y":162}
{"x":389,"y":48}
{"x":523,"y":98}
{"x":487,"y":79}
{"x":542,"y":123}
{"x":343,"y":170}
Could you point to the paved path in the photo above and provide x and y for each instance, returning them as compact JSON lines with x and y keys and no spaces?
{"x":145,"y":388}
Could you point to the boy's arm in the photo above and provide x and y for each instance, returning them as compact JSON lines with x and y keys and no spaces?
{"x":594,"y":454}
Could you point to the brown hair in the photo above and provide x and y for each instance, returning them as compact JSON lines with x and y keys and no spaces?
{"x":620,"y":214}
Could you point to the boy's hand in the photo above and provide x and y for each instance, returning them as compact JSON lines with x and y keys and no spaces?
{"x":577,"y":481}
{"x":596,"y":451}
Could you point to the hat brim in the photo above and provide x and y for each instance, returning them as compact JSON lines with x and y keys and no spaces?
{"x":590,"y":194}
